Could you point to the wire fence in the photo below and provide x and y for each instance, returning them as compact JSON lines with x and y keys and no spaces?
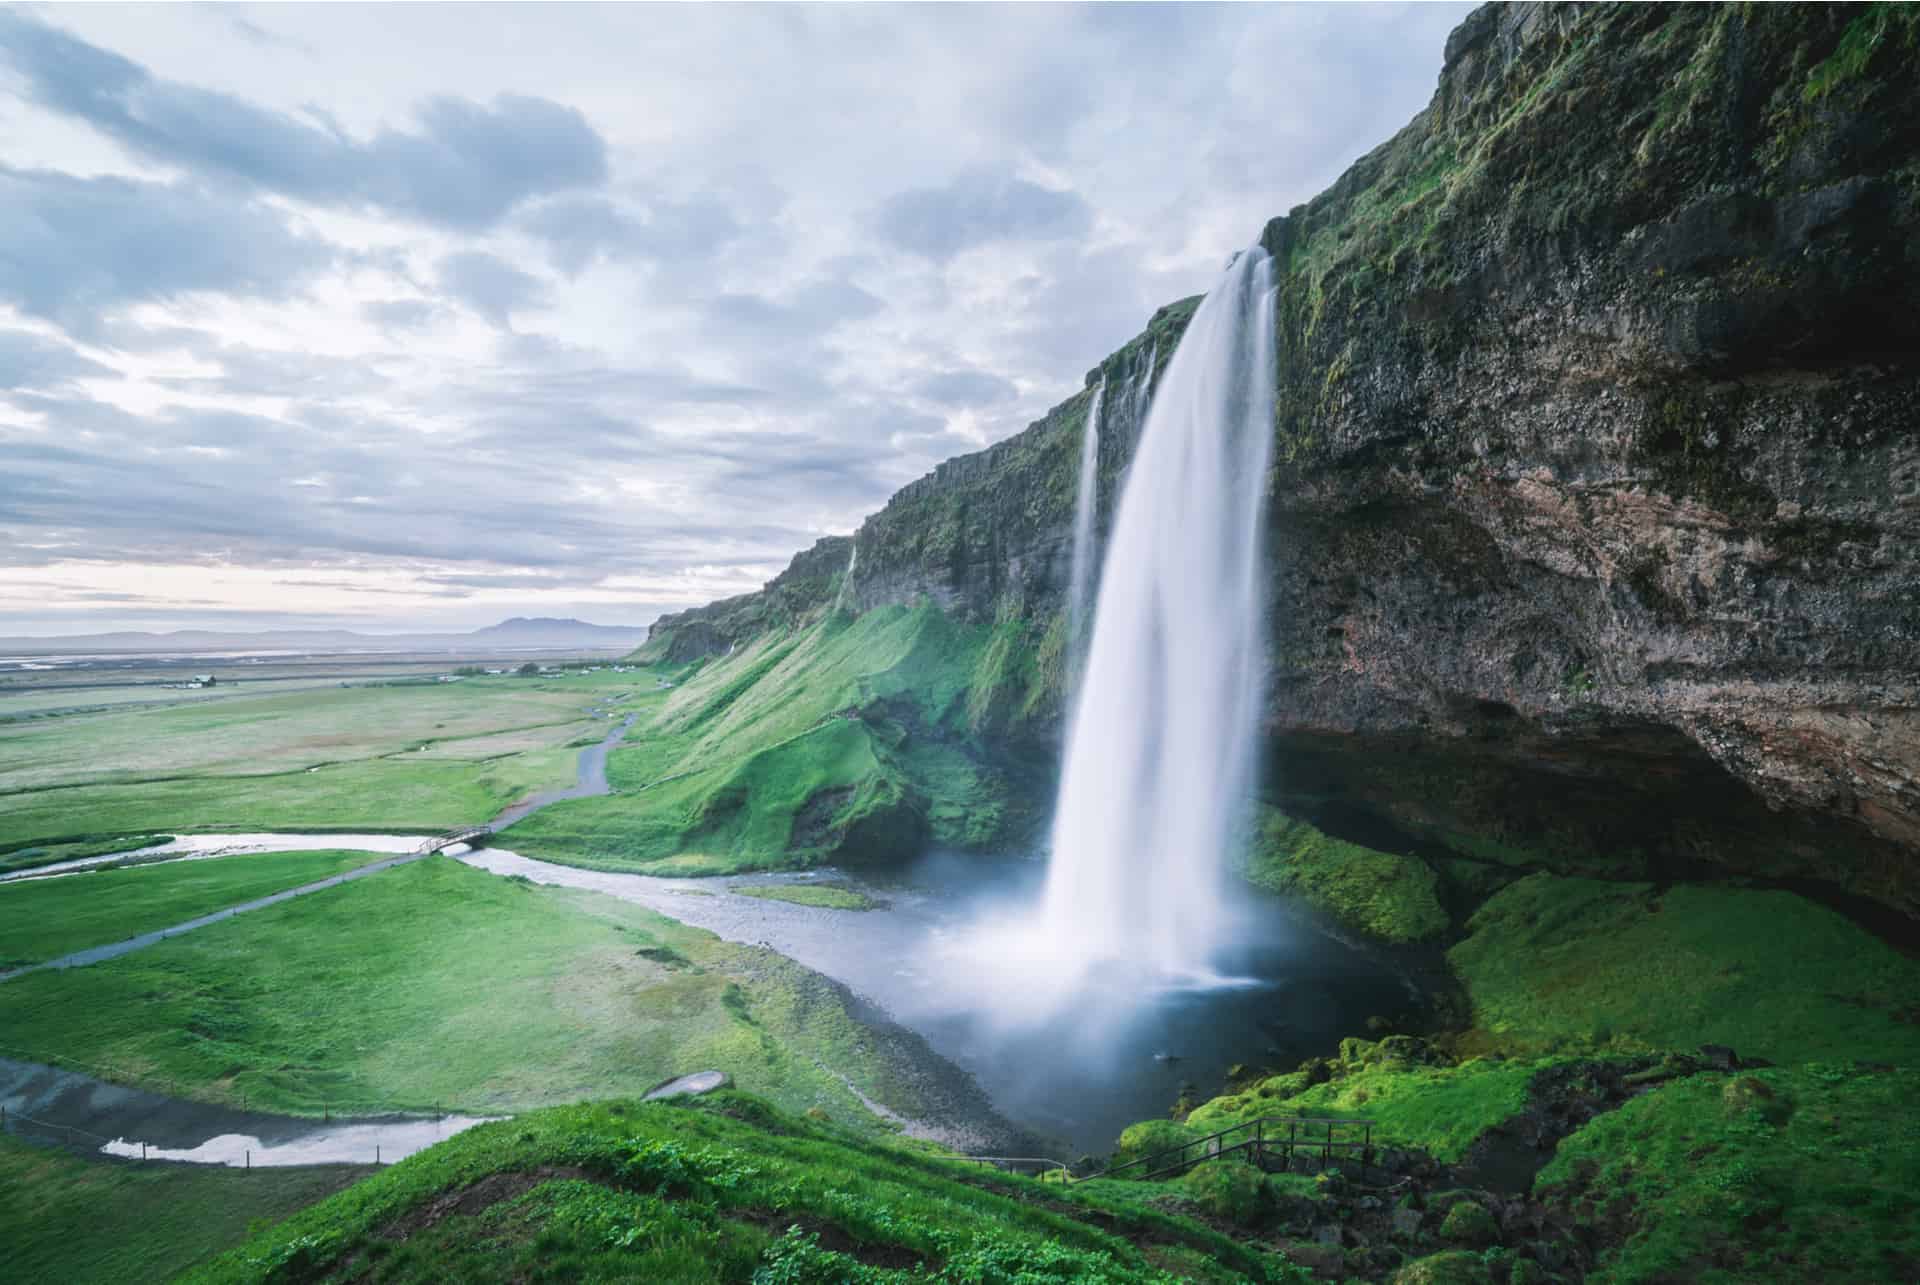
{"x":227,"y":1098}
{"x":18,"y":1124}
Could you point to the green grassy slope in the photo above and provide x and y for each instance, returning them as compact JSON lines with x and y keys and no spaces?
{"x":45,"y":918}
{"x":390,"y":993}
{"x":707,"y":1192}
{"x":848,"y":738}
{"x":70,"y":1221}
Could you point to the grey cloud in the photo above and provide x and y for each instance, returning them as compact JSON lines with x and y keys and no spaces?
{"x":71,"y":248}
{"x":31,"y":361}
{"x":581,"y":230}
{"x":810,"y":311}
{"x":490,"y":285}
{"x":966,"y":388}
{"x":400,"y":314}
{"x":466,"y":166}
{"x":979,"y":208}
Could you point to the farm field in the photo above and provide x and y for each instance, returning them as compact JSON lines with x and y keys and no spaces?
{"x":385,"y":994}
{"x":46,"y":918}
{"x":402,"y":756}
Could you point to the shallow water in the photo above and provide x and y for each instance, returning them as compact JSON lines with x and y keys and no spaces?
{"x":1077,"y":1079}
{"x":64,"y":1107}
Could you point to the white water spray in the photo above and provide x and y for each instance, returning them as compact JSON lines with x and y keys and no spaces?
{"x":1160,"y":756}
{"x":1080,"y":585}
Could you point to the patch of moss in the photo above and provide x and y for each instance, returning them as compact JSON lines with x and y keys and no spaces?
{"x":1454,"y":1267}
{"x":1555,"y":963}
{"x":1417,"y":1101}
{"x":1801,"y":1174}
{"x":1394,"y":898}
{"x":824,"y":895}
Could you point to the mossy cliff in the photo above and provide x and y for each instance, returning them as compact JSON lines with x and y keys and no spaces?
{"x":1595,"y":488}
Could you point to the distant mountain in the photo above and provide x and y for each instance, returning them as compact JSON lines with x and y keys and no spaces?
{"x":522,"y":633}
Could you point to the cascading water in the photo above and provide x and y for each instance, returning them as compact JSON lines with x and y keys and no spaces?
{"x":1160,"y":754}
{"x":846,"y":580}
{"x":1080,"y":585}
{"x":1143,"y":389}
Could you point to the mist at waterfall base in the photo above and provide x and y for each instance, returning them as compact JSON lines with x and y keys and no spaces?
{"x":1159,"y":764}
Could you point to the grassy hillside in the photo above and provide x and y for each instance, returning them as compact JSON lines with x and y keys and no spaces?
{"x":725,"y":1189}
{"x":846,"y":738}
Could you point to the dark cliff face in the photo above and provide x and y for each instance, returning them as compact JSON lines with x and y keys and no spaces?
{"x":1597,"y":460}
{"x":1599,"y":486}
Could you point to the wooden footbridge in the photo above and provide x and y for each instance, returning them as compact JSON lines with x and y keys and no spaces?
{"x":437,"y":842}
{"x":1272,"y":1142}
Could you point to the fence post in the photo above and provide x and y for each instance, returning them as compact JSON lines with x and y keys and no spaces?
{"x":376,"y":1153}
{"x":249,"y":1160}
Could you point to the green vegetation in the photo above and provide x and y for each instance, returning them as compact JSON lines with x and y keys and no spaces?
{"x":415,"y":756}
{"x":77,"y":1221}
{"x":830,"y":741}
{"x":825,"y":895}
{"x":1578,"y":963}
{"x":724,"y":1189}
{"x":29,"y":856}
{"x":383,"y":994}
{"x":46,"y":918}
{"x":1790,"y":1174}
{"x":1417,"y":1098}
{"x":1394,"y":898}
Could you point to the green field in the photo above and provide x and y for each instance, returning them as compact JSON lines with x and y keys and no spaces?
{"x":404,"y":756}
{"x":46,"y":918}
{"x":393,"y":992}
{"x":75,"y":1221}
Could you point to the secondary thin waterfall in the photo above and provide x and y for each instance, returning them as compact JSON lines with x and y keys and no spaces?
{"x":846,"y":580}
{"x":1143,"y":388}
{"x":1080,"y":585}
{"x":1160,"y":755}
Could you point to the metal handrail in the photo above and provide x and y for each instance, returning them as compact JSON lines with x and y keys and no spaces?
{"x":1258,"y":1143}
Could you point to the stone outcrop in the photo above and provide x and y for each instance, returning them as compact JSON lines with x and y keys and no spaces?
{"x":1596,"y":495}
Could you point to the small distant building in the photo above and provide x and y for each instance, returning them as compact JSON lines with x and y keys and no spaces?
{"x":202,"y":680}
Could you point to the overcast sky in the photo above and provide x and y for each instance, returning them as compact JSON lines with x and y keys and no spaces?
{"x":428,"y":315}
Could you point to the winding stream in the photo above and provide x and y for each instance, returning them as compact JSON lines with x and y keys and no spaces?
{"x":1075,"y":1084}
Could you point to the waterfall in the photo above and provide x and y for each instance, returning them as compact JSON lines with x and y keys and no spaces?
{"x":1161,"y":748}
{"x":1080,"y":586}
{"x":846,"y":581}
{"x":1143,"y":390}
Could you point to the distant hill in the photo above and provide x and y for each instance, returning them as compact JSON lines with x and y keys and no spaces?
{"x":522,"y":633}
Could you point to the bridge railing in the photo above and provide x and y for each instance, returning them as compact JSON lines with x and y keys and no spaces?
{"x":1264,"y":1140}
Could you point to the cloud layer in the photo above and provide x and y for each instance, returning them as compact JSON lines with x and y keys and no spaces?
{"x":419,"y":317}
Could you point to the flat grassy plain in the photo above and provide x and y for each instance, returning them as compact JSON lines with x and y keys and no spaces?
{"x":400,"y":756}
{"x":394,"y":993}
{"x":46,"y":918}
{"x":76,"y":1221}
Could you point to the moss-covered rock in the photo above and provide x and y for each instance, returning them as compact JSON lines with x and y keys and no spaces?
{"x":1454,"y":1267}
{"x":1229,"y":1189}
{"x":1469,"y":1223}
{"x":1391,"y":897}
